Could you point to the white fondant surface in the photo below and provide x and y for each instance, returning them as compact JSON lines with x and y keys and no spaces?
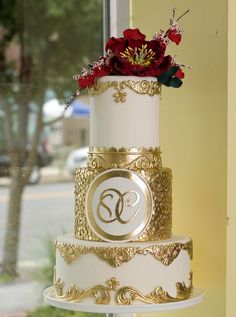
{"x":133,"y":123}
{"x":143,"y":272}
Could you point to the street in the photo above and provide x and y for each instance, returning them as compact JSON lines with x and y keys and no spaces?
{"x":47,"y":211}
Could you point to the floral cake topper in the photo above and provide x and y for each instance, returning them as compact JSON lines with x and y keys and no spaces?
{"x":133,"y":55}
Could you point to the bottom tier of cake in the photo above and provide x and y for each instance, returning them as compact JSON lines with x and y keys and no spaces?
{"x":123,"y":273}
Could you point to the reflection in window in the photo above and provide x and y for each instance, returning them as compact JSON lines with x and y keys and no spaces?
{"x":43,"y":44}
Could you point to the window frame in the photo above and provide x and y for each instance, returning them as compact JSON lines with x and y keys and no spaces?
{"x":116,"y":18}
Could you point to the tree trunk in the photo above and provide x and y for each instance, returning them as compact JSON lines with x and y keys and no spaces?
{"x":22,"y":158}
{"x":10,"y":251}
{"x":18,"y":147}
{"x":19,"y":178}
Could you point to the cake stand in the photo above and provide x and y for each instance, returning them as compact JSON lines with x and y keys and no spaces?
{"x":124,"y":310}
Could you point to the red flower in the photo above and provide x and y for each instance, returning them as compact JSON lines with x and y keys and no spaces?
{"x":174,"y":35}
{"x":132,"y":55}
{"x":101,"y":71}
{"x":121,"y":66}
{"x":179,"y":74}
{"x":165,"y":65}
{"x":133,"y":34}
{"x":115,"y":44}
{"x":85,"y":81}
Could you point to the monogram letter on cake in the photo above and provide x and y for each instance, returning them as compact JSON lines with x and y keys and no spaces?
{"x":120,"y":211}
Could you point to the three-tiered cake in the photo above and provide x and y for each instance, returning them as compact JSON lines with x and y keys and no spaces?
{"x":122,"y":251}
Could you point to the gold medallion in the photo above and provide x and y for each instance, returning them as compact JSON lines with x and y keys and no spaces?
{"x":118,"y":205}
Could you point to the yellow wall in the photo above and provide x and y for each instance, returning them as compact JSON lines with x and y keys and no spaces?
{"x":194,"y":139}
{"x":231,"y":249}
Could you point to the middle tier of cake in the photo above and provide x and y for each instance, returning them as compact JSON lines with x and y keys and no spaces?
{"x":146,"y":164}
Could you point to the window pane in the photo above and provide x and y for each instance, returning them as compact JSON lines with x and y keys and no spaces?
{"x":43,"y":44}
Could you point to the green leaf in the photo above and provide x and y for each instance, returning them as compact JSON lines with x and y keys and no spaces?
{"x":166,"y":77}
{"x":175,"y":82}
{"x":173,"y":70}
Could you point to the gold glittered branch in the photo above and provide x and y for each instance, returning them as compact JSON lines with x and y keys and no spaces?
{"x":143,"y":87}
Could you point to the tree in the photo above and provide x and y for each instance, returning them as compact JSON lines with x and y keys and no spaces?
{"x":51,"y":40}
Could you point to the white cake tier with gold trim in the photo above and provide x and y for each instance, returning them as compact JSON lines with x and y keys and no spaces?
{"x":123,"y":273}
{"x":125,"y":112}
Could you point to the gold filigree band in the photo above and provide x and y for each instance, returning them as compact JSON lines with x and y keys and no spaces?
{"x":129,"y":158}
{"x":160,"y":185}
{"x":116,"y":256}
{"x":123,"y":296}
{"x":143,"y":87}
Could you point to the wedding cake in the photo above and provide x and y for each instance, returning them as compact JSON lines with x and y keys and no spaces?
{"x":122,"y":251}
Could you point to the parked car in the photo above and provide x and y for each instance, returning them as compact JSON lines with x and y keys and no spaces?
{"x":44,"y":158}
{"x":77,"y":158}
{"x":44,"y":155}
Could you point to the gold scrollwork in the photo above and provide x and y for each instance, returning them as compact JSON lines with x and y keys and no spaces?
{"x":58,"y":284}
{"x":115,"y":256}
{"x":100,"y":293}
{"x":141,"y":87}
{"x":123,"y":296}
{"x":127,"y":295}
{"x":129,"y":158}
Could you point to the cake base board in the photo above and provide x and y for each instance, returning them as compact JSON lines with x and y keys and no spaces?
{"x":50,"y":298}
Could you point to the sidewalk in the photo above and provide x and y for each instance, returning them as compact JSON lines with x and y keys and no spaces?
{"x":19,"y":314}
{"x":19,"y":297}
{"x":24,"y":294}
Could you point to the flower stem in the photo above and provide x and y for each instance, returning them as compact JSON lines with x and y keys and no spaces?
{"x":180,"y":17}
{"x":71,"y":99}
{"x":173,"y":13}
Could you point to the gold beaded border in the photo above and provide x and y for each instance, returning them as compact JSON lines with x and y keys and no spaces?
{"x":116,"y":256}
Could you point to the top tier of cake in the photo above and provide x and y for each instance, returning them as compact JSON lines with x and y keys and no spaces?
{"x":125,"y":112}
